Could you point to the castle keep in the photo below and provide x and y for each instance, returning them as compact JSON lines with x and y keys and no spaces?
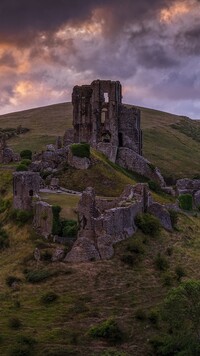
{"x":100,"y":118}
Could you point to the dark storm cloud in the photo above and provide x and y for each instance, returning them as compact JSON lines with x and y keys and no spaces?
{"x":22,"y":19}
{"x":155,"y":56}
{"x":187,"y":41}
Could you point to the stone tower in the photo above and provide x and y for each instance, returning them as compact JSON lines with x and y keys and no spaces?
{"x":25,"y":186}
{"x":100,"y":118}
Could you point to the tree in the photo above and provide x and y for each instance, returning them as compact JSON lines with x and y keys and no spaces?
{"x":181,"y":315}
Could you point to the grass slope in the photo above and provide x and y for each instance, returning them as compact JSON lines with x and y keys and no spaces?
{"x":172,"y":150}
{"x":90,"y":293}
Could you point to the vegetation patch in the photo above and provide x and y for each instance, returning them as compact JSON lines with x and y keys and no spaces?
{"x":38,"y":275}
{"x":4,"y":239}
{"x":26,"y":154}
{"x":21,"y":168}
{"x":148,"y":223}
{"x":80,"y":150}
{"x":186,"y":202}
{"x":108,"y":330}
{"x":21,"y":217}
{"x":49,"y":298}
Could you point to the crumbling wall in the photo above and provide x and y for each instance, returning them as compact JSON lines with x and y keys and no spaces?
{"x":43,"y":218}
{"x":102,"y":224}
{"x":25,"y":186}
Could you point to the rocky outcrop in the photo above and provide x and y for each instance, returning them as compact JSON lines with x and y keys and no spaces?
{"x":162,"y":214}
{"x":187,"y":186}
{"x":78,"y":162}
{"x":132,"y":161}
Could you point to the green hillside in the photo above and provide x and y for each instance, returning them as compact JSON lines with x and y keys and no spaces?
{"x":51,"y":308}
{"x":175,"y":150}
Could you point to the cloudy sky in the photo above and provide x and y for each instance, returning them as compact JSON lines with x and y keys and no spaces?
{"x":151,"y":46}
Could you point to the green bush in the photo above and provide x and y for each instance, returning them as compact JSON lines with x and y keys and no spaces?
{"x":136,"y":246}
{"x":80,"y":150}
{"x":154,"y":186}
{"x":108,"y":330}
{"x":174,"y":217}
{"x":26,"y":162}
{"x":49,"y":298}
{"x":26,"y":154}
{"x":21,"y":216}
{"x":180,"y":272}
{"x":36,"y":276}
{"x":161,"y":262}
{"x":154,"y":317}
{"x":180,"y":314}
{"x":21,"y":168}
{"x":69,"y":228}
{"x":185,"y":202}
{"x":4,"y":239}
{"x":57,"y":226}
{"x":4,"y":205}
{"x":148,"y":223}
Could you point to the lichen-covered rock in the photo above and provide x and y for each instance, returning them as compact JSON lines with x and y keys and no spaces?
{"x":132,"y":161}
{"x":58,"y":255}
{"x":78,"y":162}
{"x":162,"y":214}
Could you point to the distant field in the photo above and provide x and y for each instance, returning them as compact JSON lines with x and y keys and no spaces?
{"x":172,"y":150}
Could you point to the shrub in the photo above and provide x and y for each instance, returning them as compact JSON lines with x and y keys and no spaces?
{"x":161,"y":262}
{"x":108,"y":330}
{"x":21,"y":216}
{"x":4,"y":240}
{"x":12,"y":279}
{"x":49,"y":298}
{"x":136,"y":246}
{"x":180,"y":272}
{"x":151,"y":166}
{"x":26,"y":154}
{"x":185,"y":202}
{"x":69,"y":228}
{"x":154,"y":186}
{"x":26,"y":162}
{"x":57,"y":227}
{"x":36,"y":276}
{"x":4,"y":205}
{"x":174,"y":217}
{"x":154,"y":317}
{"x":148,"y":223}
{"x":80,"y":150}
{"x":167,"y":279}
{"x":21,"y":168}
{"x":14,"y":323}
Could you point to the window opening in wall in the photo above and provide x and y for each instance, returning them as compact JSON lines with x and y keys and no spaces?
{"x":106,"y":97}
{"x":31,"y":193}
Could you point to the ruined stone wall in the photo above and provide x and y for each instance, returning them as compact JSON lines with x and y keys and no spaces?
{"x":43,"y":218}
{"x":130,"y":135}
{"x":100,"y":229}
{"x":25,"y":186}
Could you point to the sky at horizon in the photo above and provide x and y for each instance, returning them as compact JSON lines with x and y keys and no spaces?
{"x":151,"y":47}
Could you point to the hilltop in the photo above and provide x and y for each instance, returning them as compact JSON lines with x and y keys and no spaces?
{"x":170,"y":142}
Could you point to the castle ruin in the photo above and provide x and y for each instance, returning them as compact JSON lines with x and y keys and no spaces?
{"x":100,"y":118}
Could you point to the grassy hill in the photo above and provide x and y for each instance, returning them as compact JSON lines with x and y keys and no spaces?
{"x":51,"y":307}
{"x":171,"y":142}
